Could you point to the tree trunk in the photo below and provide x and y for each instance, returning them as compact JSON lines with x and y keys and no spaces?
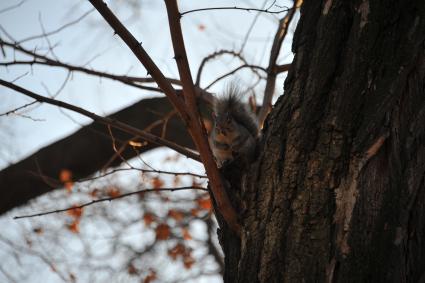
{"x":337,"y":193}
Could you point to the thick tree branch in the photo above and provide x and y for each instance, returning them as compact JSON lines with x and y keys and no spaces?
{"x":85,"y":152}
{"x":191,"y":115}
{"x":196,"y":126}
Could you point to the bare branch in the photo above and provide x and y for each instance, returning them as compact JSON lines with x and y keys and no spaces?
{"x":106,"y":121}
{"x":252,"y":67}
{"x":29,"y":117}
{"x":128,"y":80}
{"x":280,"y":35}
{"x":284,"y":9}
{"x":143,"y":57}
{"x":248,"y":33}
{"x":213,"y":56}
{"x":51,"y":47}
{"x":13,"y":111}
{"x":110,"y":199}
{"x":143,"y":171}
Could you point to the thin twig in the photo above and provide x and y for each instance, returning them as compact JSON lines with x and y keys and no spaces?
{"x":252,"y":67}
{"x":141,"y":170}
{"x":12,"y":7}
{"x":18,"y":108}
{"x":56,"y":30}
{"x":236,"y":8}
{"x":110,"y":199}
{"x":213,"y":55}
{"x":114,"y":147}
{"x":280,"y":35}
{"x":6,"y":33}
{"x":248,"y":33}
{"x":124,"y":79}
{"x":128,"y":80}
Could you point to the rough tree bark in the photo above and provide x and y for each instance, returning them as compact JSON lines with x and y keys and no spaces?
{"x":337,"y":193}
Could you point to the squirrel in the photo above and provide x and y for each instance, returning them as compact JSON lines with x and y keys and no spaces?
{"x":235,"y":131}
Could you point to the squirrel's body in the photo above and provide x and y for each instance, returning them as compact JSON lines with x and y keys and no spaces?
{"x":235,"y":130}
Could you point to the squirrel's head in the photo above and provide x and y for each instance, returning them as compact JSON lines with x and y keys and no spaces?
{"x":224,"y":124}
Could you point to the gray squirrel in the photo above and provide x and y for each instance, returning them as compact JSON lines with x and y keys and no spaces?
{"x":235,"y":131}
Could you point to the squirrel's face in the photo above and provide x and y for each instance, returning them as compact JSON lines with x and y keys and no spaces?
{"x":224,"y":124}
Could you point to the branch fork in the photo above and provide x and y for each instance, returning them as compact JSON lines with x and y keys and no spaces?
{"x":185,"y":105}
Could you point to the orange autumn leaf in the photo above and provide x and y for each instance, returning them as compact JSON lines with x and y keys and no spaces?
{"x":178,"y":250}
{"x":94,"y":193}
{"x":151,"y":277}
{"x":176,"y":214}
{"x":204,"y":203}
{"x":176,"y":181}
{"x":75,"y":212}
{"x":74,"y":227}
{"x":194,"y":211}
{"x":113,"y":192}
{"x":186,"y":234}
{"x":148,"y":218}
{"x":65,"y":175}
{"x":157,"y":183}
{"x":162,"y":232}
{"x":188,"y":261}
{"x":38,"y":230}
